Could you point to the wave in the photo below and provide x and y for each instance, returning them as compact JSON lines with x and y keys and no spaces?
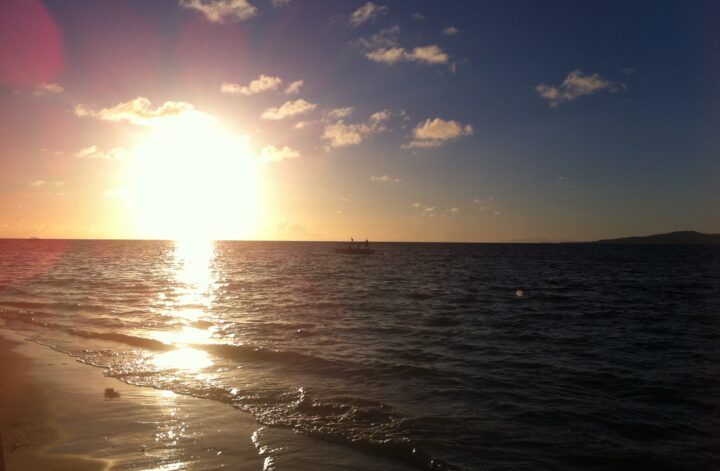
{"x":367,"y":426}
{"x":132,"y":340}
{"x":49,"y":305}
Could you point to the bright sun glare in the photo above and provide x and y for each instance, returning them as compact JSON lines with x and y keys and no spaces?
{"x":192,"y":179}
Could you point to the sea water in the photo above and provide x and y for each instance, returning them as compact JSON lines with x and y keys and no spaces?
{"x":432,"y":356}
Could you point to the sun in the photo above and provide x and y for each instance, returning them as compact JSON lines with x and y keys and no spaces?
{"x":192,"y":179}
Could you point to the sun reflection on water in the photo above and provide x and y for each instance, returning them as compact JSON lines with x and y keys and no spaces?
{"x":187,"y":358}
{"x":194,"y":284}
{"x":193,"y":268}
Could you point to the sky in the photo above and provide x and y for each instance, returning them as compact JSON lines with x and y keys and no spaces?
{"x":483,"y":121}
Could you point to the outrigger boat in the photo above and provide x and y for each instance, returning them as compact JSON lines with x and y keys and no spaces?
{"x":355,"y":248}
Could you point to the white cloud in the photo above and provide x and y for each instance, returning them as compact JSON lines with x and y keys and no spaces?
{"x":435,"y":132}
{"x":273,"y":154}
{"x":454,"y":210}
{"x":574,"y":86}
{"x":432,"y":55}
{"x":261,"y":84}
{"x":38,"y":183}
{"x":218,"y":11}
{"x":384,"y":179}
{"x":385,"y":38}
{"x":429,"y":209}
{"x":429,"y":54}
{"x":139,"y":111}
{"x":418,"y":16}
{"x":417,"y":205}
{"x":384,"y":47}
{"x":86,"y":152}
{"x":340,"y":134}
{"x":389,"y":55}
{"x":93,"y":152}
{"x":441,"y":130}
{"x":368,"y":12}
{"x":289,"y":108}
{"x":451,"y":31}
{"x":294,"y":88}
{"x":300,"y":125}
{"x":339,"y":113}
{"x":48,"y":89}
{"x":418,"y":144}
{"x":380,"y":116}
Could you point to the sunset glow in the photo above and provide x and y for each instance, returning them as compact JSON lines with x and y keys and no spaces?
{"x":315,"y":235}
{"x":291,"y":120}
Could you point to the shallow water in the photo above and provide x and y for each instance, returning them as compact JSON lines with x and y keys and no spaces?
{"x":476,"y":356}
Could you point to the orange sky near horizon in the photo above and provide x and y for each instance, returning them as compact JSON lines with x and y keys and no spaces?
{"x":288,"y":121}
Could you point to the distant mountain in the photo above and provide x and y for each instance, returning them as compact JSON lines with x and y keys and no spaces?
{"x":671,"y":238}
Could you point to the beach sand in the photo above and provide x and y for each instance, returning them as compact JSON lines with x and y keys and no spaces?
{"x":54,"y":415}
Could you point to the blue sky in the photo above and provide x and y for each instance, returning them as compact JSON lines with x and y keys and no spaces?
{"x":469,"y":121}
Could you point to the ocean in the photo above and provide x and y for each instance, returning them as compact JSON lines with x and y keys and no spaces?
{"x":420,"y":356}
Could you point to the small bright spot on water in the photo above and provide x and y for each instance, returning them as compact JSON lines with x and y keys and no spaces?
{"x":164,"y":393}
{"x":519,"y":293}
{"x":183,"y":358}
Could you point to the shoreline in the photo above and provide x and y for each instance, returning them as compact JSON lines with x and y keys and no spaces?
{"x":55,"y":415}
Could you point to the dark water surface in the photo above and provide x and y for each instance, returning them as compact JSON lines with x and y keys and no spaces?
{"x":470,"y":356}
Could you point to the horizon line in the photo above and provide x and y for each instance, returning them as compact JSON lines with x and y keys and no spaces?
{"x":379,"y":241}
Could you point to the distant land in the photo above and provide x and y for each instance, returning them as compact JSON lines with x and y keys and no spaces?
{"x":671,"y":238}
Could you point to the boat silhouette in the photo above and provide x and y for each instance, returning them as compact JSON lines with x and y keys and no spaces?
{"x":356,"y":248}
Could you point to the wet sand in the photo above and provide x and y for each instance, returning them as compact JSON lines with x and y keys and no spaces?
{"x":55,"y":415}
